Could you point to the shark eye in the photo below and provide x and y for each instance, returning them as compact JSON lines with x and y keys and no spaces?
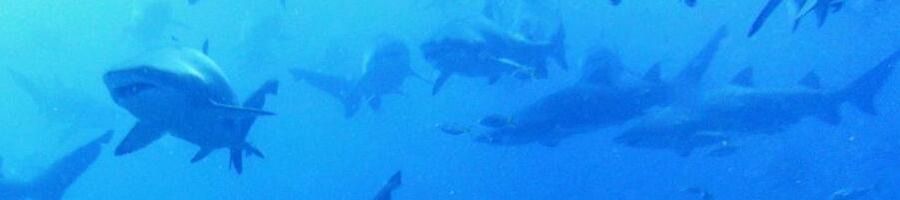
{"x":133,"y":89}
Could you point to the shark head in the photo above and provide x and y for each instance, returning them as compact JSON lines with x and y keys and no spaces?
{"x":162,"y":82}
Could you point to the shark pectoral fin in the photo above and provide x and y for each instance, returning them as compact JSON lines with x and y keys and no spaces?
{"x":258,"y":98}
{"x":440,"y":82}
{"x":141,"y":135}
{"x":201,"y":154}
{"x":235,"y":111}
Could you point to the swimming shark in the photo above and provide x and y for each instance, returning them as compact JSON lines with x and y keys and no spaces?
{"x":742,"y":109}
{"x":70,"y":108}
{"x":479,"y":48}
{"x":53,"y":182}
{"x":183,"y":92}
{"x":798,"y":9}
{"x":606,"y":95}
{"x":392,"y":184}
{"x":386,"y":70}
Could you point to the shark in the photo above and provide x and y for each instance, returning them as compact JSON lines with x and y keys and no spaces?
{"x":183,"y":92}
{"x":798,"y":9}
{"x":479,"y":48}
{"x":60,"y":104}
{"x":606,"y":95}
{"x":386,"y":70}
{"x":392,"y":184}
{"x":54,"y":181}
{"x":741,"y":109}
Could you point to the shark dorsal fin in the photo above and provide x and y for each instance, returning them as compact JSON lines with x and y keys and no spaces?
{"x":206,"y":47}
{"x":654,"y":74}
{"x":744,"y":78}
{"x":811,"y":81}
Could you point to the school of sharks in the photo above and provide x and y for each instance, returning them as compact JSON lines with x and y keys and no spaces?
{"x":178,"y":88}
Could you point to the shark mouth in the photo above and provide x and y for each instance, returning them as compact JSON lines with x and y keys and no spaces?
{"x":130,"y":90}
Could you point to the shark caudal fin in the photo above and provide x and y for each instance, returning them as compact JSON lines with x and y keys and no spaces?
{"x":861,"y":92}
{"x":693,"y":72}
{"x":54,"y":181}
{"x":342,"y":89}
{"x":238,"y":152}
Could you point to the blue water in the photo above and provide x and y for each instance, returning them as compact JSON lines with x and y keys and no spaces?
{"x":312,"y":151}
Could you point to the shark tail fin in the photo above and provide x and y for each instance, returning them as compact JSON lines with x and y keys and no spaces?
{"x":238,"y":152}
{"x":861,"y":92}
{"x":558,"y":47}
{"x":340,"y":88}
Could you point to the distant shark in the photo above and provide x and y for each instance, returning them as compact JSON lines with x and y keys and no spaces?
{"x":741,"y":109}
{"x":52,"y":184}
{"x":63,"y":105}
{"x":606,"y":95}
{"x":386,"y":70}
{"x":392,"y":184}
{"x":183,"y":92}
{"x":479,"y":48}
{"x":798,"y":9}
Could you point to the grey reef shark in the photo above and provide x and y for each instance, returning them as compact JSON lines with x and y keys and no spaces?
{"x":715,"y":116}
{"x":53,"y":182}
{"x":386,"y":70}
{"x":606,"y":95}
{"x":479,"y":48}
{"x":183,"y":92}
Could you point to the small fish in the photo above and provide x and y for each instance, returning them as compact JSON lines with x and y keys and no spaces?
{"x":495,"y":121}
{"x":453,"y":128}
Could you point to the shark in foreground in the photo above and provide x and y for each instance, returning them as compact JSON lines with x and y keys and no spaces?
{"x":53,"y":182}
{"x":742,"y":109}
{"x":183,"y":92}
{"x":606,"y":95}
{"x":386,"y":70}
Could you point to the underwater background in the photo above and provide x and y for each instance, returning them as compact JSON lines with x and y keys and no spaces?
{"x":55,"y":53}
